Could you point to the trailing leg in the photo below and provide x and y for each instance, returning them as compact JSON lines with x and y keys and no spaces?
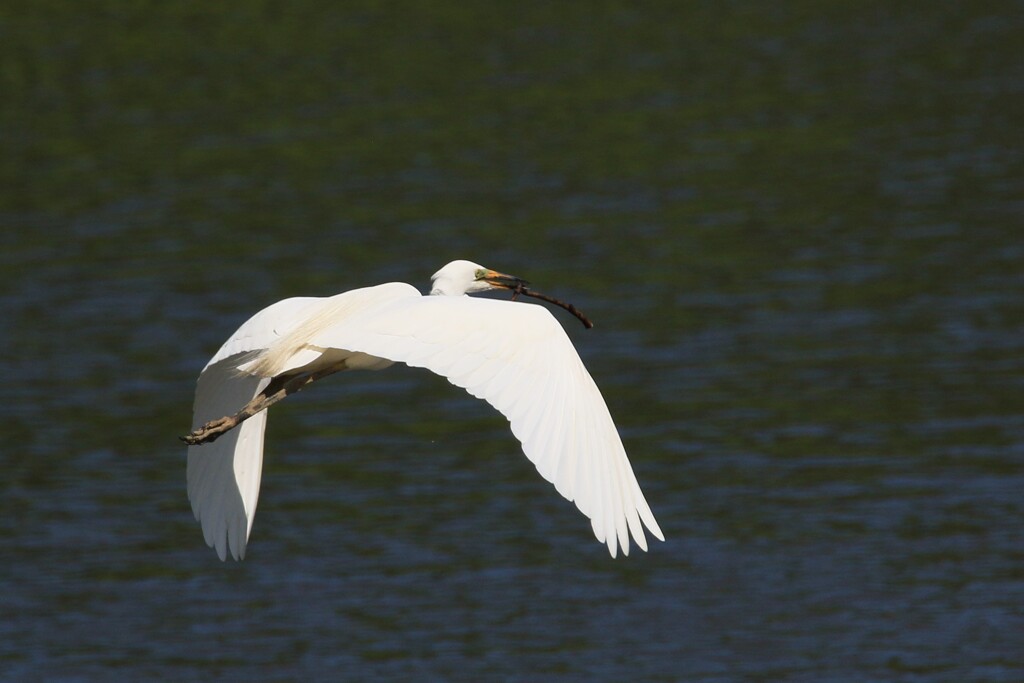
{"x":279,"y":388}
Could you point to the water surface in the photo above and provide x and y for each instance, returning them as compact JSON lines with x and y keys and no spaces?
{"x":797,"y":230}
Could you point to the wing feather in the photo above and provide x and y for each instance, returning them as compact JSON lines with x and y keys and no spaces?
{"x":551,"y":444}
{"x":224,"y":476}
{"x":265,"y":328}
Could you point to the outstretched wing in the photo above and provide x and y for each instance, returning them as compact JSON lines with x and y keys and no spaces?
{"x":224,"y":476}
{"x":517,"y":357}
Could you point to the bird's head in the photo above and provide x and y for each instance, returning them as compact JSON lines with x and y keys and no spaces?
{"x":464,"y":277}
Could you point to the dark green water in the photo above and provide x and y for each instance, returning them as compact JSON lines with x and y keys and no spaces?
{"x":797,"y":228}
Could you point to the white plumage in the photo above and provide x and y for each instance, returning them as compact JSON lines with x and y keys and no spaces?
{"x":515,"y":356}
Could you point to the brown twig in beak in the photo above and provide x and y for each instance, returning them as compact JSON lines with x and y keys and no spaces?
{"x":518,"y":286}
{"x":522,"y":289}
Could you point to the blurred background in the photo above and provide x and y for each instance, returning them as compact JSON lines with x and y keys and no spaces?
{"x":796,"y":226}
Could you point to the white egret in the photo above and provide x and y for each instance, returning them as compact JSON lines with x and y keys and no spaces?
{"x":516,"y":357}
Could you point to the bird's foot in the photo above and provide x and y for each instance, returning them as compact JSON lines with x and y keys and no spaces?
{"x":210,"y":431}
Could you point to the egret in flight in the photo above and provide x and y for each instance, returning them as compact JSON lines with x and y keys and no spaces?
{"x":515,"y":356}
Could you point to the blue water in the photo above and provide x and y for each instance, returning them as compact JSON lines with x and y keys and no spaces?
{"x":796,"y":229}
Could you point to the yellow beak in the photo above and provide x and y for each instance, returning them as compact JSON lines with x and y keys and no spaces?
{"x":502,"y":280}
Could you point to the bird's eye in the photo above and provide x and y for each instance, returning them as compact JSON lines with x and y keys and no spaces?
{"x":479,"y":274}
